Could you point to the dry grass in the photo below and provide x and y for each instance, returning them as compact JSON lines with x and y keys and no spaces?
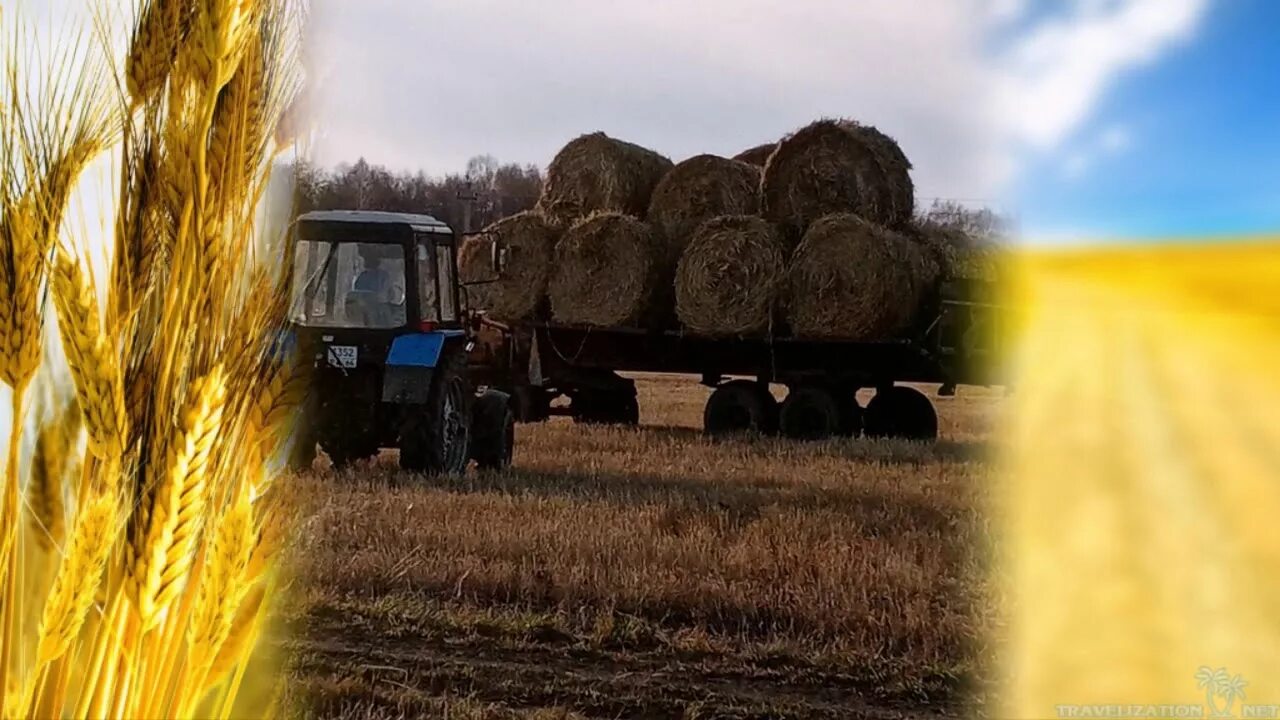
{"x":653,"y":573}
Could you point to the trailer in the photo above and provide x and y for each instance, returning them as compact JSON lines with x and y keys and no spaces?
{"x":954,"y":343}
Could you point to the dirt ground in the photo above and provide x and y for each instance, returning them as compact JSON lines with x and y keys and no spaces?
{"x":653,"y":573}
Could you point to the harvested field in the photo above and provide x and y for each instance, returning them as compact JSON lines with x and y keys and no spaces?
{"x":697,"y":190}
{"x":597,"y":173}
{"x":610,"y":270}
{"x":836,"y":166}
{"x":854,"y":280}
{"x":729,"y":277}
{"x":653,"y":573}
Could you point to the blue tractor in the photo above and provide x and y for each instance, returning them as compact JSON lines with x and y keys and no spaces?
{"x":376,"y":305}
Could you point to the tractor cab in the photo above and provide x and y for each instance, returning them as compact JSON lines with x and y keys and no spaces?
{"x":375,"y":305}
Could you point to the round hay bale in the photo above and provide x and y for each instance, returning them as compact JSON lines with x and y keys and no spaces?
{"x":698,"y":189}
{"x":830,"y":167}
{"x":959,"y":255}
{"x":529,"y":243}
{"x":758,"y":155}
{"x":609,"y":272}
{"x":729,"y":276}
{"x":473,"y":267}
{"x":897,"y":173}
{"x":597,"y":173}
{"x":854,"y":280}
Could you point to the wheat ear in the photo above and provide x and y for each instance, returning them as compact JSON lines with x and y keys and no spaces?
{"x":222,"y":584}
{"x":161,"y":553}
{"x":78,"y":576}
{"x":93,"y":366}
{"x":52,"y":463}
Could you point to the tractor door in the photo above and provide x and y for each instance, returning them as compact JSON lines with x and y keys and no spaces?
{"x":437,"y":280}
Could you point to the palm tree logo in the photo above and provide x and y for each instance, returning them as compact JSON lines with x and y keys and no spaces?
{"x":1218,"y":683}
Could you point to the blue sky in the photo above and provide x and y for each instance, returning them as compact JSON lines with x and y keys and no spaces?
{"x":1187,"y":145}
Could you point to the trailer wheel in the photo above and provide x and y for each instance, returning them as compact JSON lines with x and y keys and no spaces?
{"x":493,"y":427}
{"x":901,"y":412}
{"x":810,"y":412}
{"x":530,"y":404}
{"x":435,"y":437}
{"x":605,"y":407}
{"x":740,"y":406}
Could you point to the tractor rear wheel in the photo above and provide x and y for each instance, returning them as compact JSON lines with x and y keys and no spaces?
{"x":810,"y":412}
{"x":740,"y":406}
{"x":901,"y":412}
{"x":493,"y":429}
{"x":435,"y":437}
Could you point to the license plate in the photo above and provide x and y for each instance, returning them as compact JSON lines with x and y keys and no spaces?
{"x":342,"y":356}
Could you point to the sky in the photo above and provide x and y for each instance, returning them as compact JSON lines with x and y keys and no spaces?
{"x":1090,"y":119}
{"x":1083,"y":120}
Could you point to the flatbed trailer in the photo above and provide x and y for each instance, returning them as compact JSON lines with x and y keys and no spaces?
{"x":954,"y":343}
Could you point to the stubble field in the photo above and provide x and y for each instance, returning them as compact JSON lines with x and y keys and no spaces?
{"x":651,"y":572}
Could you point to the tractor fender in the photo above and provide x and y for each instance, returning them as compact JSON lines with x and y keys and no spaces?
{"x":411,"y":362}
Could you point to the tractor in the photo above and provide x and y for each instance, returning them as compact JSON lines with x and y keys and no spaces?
{"x":376,"y":307}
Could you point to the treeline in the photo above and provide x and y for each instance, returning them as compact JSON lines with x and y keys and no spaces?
{"x":494,"y":190}
{"x":497,"y":190}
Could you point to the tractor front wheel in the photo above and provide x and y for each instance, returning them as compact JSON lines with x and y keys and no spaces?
{"x":493,"y":429}
{"x":435,"y":437}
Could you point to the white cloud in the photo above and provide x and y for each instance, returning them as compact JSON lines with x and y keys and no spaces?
{"x":425,"y":85}
{"x":1112,"y":140}
{"x":1054,"y":75}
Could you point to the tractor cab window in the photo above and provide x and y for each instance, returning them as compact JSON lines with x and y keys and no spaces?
{"x":348,"y":285}
{"x":436,"y":281}
{"x":445,"y":266}
{"x":429,"y":308}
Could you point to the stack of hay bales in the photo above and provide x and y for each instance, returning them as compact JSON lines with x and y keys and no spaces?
{"x":517,"y":292}
{"x":611,"y":267}
{"x":854,"y":279}
{"x":610,"y":272}
{"x":837,"y":166}
{"x":697,"y":190}
{"x":811,"y":237}
{"x":595,"y":173}
{"x":729,"y":276}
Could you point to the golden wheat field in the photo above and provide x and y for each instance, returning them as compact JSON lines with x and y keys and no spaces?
{"x":652,"y":572}
{"x":1141,"y":499}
